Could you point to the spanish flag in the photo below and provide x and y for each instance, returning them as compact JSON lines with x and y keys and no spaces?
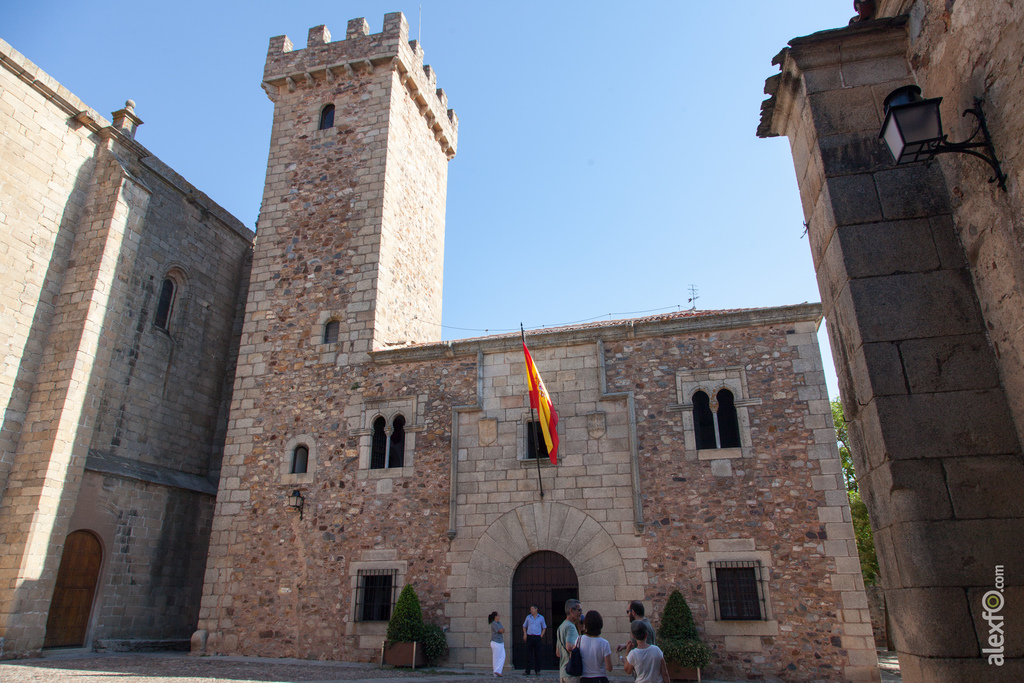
{"x":540,"y":401}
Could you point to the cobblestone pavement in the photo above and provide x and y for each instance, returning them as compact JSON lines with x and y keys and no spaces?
{"x":165,"y":667}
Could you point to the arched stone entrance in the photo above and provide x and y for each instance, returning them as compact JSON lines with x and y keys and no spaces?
{"x":545,"y":579}
{"x":68,"y":621}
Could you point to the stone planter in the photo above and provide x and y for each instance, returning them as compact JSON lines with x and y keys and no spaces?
{"x":403,"y":654}
{"x":678,"y":672}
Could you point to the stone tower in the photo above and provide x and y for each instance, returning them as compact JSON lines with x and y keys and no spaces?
{"x":348,"y":260}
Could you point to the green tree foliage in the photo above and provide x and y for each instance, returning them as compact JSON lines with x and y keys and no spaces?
{"x":406,"y":623}
{"x":435,"y":644}
{"x":843,"y":438}
{"x":858,"y":510}
{"x":677,"y":634}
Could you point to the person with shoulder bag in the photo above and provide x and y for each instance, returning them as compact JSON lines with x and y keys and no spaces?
{"x":567,"y":638}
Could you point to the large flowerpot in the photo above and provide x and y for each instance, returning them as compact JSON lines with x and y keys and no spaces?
{"x":678,"y":672}
{"x":404,"y":654}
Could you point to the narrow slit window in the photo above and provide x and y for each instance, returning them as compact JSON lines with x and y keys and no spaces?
{"x":165,"y":304}
{"x":300,"y":460}
{"x":703,"y":421}
{"x":396,"y":454}
{"x":327,"y":117}
{"x":379,"y":447}
{"x":728,"y":422}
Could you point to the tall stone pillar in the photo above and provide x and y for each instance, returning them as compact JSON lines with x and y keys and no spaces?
{"x":934,"y":443}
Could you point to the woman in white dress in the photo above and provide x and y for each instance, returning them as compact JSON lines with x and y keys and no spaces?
{"x":595,"y":650}
{"x":497,"y":643}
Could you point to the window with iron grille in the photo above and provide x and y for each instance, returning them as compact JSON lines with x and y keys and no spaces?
{"x":738,"y":590}
{"x":375,"y":594}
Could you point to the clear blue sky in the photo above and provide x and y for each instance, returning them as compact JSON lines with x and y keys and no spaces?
{"x":607,"y":156}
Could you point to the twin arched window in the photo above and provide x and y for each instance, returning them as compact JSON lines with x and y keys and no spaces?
{"x":388,"y":446}
{"x":716,"y":425}
{"x":327,"y":117}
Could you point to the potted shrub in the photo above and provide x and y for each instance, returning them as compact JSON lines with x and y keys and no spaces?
{"x":678,"y":639}
{"x":405,"y":629}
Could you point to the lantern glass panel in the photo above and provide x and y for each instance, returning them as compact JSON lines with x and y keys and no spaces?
{"x":892,"y":137}
{"x":919,"y":122}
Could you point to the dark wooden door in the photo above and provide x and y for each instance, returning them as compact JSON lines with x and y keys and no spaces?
{"x":79,"y":570}
{"x":545,"y":579}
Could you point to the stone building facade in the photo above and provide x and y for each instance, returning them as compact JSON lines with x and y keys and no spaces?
{"x":115,"y":406}
{"x":362,"y":453}
{"x":921,"y":272}
{"x":157,"y":360}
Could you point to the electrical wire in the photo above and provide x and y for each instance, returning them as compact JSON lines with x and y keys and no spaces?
{"x":490,"y":330}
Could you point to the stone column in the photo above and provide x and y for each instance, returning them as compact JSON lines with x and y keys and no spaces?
{"x":934,"y":442}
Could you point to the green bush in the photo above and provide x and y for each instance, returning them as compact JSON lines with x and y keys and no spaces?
{"x":406,"y":622}
{"x":676,"y":620}
{"x":690,"y":653}
{"x":677,"y":634}
{"x":435,"y":644}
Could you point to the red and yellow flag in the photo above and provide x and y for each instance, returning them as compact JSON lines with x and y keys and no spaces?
{"x":540,"y":401}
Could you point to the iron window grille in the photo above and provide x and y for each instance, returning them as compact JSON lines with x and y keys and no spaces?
{"x":738,"y":591}
{"x":375,"y":594}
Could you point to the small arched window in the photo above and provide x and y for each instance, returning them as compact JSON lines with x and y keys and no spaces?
{"x":728,"y":422}
{"x":396,"y":452}
{"x":331,"y":332}
{"x":703,"y":421}
{"x":327,"y":117}
{"x":165,"y":304}
{"x":379,"y":448}
{"x":300,"y":459}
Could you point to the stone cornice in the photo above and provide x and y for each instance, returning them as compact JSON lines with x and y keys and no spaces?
{"x":628,"y":329}
{"x":858,"y":41}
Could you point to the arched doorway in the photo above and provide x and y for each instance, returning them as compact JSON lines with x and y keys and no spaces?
{"x":68,"y":620}
{"x":545,"y":579}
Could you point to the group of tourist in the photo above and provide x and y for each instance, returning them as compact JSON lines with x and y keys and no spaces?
{"x":642,"y":657}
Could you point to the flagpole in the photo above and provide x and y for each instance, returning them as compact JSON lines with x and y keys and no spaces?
{"x":533,"y":416}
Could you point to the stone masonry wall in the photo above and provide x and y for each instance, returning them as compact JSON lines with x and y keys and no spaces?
{"x":784,"y":497}
{"x":98,"y":388}
{"x":41,"y":202}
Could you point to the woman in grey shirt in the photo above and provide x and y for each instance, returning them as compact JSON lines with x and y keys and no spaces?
{"x":497,"y":643}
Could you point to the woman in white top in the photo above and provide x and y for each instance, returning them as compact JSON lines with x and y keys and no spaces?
{"x":646,"y":661}
{"x":596,"y":652}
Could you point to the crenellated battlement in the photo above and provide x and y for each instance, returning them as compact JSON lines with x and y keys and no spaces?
{"x":323,"y":63}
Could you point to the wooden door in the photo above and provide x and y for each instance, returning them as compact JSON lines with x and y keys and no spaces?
{"x":545,"y":579}
{"x":71,"y":605}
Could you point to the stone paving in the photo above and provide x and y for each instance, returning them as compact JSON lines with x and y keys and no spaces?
{"x":91,"y":667}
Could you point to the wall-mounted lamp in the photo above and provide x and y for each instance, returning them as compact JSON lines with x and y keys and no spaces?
{"x":913,"y":131}
{"x":296,"y":501}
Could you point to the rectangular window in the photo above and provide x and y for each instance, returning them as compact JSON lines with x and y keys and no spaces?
{"x":535,"y":445}
{"x":737,"y":590}
{"x":375,"y":594}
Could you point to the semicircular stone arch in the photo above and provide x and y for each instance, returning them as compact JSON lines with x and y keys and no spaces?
{"x":593,"y":552}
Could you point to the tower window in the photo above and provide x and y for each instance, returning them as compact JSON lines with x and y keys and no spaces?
{"x":331,"y":332}
{"x":396,"y":453}
{"x":165,"y":304}
{"x":728,"y":422}
{"x":327,"y":117}
{"x":379,"y":449}
{"x":300,"y":460}
{"x":736,"y":590}
{"x":716,"y":425}
{"x":703,"y":421}
{"x":388,"y":446}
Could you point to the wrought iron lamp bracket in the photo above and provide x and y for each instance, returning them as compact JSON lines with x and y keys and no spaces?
{"x":969,"y":146}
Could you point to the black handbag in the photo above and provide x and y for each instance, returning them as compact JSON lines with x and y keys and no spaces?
{"x":575,"y":665}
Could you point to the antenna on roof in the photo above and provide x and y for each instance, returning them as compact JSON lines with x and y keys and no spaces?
{"x":693,"y":297}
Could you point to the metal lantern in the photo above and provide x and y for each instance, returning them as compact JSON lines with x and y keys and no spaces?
{"x":913,"y":127}
{"x":296,"y":501}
